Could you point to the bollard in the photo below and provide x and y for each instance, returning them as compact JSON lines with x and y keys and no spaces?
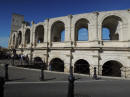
{"x":2,"y":82}
{"x":95,"y":75}
{"x":6,"y":72}
{"x":42,"y":72}
{"x":71,"y":86}
{"x":71,"y":80}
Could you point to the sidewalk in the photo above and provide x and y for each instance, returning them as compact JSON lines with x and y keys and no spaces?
{"x":19,"y":74}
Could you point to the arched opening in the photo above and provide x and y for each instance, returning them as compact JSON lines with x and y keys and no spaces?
{"x":39,"y":34}
{"x":19,"y":37}
{"x":111,"y":24}
{"x":58,"y":32}
{"x":112,"y":68}
{"x":81,"y":30}
{"x":56,"y":65}
{"x":27,"y":36}
{"x":82,"y":66}
{"x":38,"y":63}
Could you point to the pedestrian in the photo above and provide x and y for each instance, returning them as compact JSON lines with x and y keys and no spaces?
{"x":27,"y":59}
{"x":21,"y":59}
{"x":95,"y":75}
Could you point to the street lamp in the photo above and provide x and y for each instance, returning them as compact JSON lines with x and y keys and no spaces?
{"x":71,"y":78}
{"x":46,"y":55}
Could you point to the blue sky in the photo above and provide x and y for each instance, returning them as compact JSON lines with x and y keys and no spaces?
{"x":82,"y":33}
{"x":38,"y":10}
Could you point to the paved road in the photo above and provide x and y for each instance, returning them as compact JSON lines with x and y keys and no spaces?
{"x":26,"y":83}
{"x":115,"y":88}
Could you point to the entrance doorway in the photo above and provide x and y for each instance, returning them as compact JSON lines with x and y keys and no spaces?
{"x":112,"y":68}
{"x":82,"y":66}
{"x":56,"y":65}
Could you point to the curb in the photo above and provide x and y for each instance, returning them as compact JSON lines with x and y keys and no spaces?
{"x":52,"y":82}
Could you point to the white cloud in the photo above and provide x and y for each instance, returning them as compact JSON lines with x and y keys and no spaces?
{"x":4,"y":41}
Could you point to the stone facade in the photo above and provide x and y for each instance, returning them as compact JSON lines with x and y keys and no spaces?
{"x":44,"y":40}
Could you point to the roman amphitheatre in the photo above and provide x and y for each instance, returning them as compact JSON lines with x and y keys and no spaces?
{"x":59,"y":42}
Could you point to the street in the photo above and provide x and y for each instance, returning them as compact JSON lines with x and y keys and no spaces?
{"x":116,"y":88}
{"x":26,"y":83}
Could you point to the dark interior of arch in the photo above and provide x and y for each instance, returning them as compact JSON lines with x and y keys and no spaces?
{"x":27,"y":36}
{"x":82,"y":66}
{"x":38,"y":63}
{"x":112,"y":68}
{"x":113,"y":24}
{"x":81,"y":30}
{"x":56,"y":65}
{"x":57,"y":31}
{"x":39,"y":34}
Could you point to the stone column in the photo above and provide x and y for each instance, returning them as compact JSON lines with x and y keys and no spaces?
{"x":32,"y":33}
{"x":97,"y":13}
{"x":68,"y":34}
{"x":120,"y":31}
{"x":100,"y":70}
{"x":99,"y":32}
{"x":91,"y":68}
{"x":125,"y":72}
{"x":93,"y":28}
{"x":46,"y":30}
{"x":69,"y":61}
{"x":23,"y":36}
{"x":67,"y":67}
